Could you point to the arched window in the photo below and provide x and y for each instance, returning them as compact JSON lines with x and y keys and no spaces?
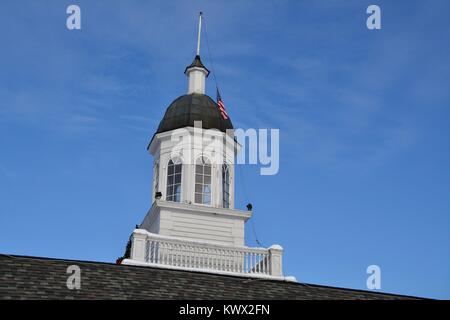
{"x":174,"y":180}
{"x":225,"y":186}
{"x":203,"y":181}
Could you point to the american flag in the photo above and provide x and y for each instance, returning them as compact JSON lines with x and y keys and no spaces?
{"x":221,"y":106}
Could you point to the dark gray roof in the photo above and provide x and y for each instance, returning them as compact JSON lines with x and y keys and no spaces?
{"x":42,"y":278}
{"x":188,"y":108}
{"x":197,"y":63}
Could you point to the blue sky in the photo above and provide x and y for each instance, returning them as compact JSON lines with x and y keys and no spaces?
{"x":363,"y":116}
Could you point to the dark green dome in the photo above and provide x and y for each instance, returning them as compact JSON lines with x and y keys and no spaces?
{"x":188,"y":108}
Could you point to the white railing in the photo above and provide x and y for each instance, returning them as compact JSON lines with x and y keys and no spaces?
{"x":156,"y":249}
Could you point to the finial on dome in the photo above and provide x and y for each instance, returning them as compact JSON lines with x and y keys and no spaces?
{"x":196,"y":71}
{"x":199,"y":32}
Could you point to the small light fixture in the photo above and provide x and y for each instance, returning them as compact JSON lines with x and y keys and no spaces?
{"x":158,"y":195}
{"x":249,"y":207}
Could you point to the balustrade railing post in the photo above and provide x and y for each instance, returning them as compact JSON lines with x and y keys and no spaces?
{"x":138,"y":245}
{"x":275,"y":260}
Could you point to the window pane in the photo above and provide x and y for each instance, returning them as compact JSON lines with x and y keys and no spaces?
{"x":174,"y":181}
{"x":207,"y":198}
{"x":203,"y":181}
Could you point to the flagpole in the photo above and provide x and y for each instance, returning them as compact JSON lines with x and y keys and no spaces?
{"x":199,"y":32}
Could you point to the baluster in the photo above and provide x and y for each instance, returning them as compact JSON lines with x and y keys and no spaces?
{"x":253,"y":262}
{"x":150,"y":251}
{"x":262,"y":264}
{"x":238,"y":261}
{"x":257,"y":262}
{"x":165,"y":253}
{"x":174,"y":253}
{"x":211,"y":258}
{"x":216,"y":260}
{"x":232,"y":259}
{"x":157,"y":252}
{"x":227,"y":260}
{"x":241,"y":262}
{"x":208,"y":258}
{"x":205,"y":258}
{"x":150,"y":258}
{"x":232,"y":253}
{"x":169,"y":256}
{"x":245,"y":262}
{"x":194,"y":257}
{"x":266,"y":263}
